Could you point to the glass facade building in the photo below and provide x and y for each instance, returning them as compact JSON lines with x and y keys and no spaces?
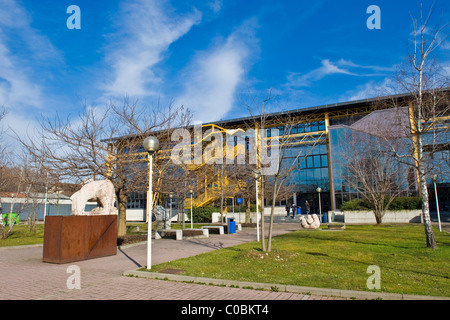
{"x":319,"y":135}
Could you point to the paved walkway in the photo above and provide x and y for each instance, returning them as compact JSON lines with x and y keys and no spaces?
{"x":25,"y":276}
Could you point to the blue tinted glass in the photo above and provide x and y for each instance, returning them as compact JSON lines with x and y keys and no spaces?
{"x":324,"y":160}
{"x":316,"y":161}
{"x":309,"y":162}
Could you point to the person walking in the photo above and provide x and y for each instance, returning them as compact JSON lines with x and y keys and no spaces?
{"x":288,"y":208}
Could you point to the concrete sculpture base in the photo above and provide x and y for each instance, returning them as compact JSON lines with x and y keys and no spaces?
{"x":75,"y":238}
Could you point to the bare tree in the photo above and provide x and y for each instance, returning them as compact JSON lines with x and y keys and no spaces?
{"x":288,"y":159}
{"x":428,"y":108}
{"x":371,"y":170}
{"x":100,"y":144}
{"x":4,"y":170}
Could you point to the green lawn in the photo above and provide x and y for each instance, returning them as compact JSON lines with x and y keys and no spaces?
{"x":20,"y":236}
{"x":335,"y":259}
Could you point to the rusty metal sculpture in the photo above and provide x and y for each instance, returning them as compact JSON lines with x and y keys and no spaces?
{"x":83,"y":235}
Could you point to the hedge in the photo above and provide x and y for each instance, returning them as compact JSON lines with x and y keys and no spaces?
{"x":204,"y":214}
{"x":399,"y":203}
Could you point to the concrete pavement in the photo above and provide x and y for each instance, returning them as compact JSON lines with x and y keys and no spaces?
{"x":25,"y":276}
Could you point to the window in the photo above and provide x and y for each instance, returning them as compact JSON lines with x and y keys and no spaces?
{"x":324,"y":173}
{"x":321,"y":125}
{"x":324,"y":160}
{"x":316,"y":161}
{"x":309,"y":162}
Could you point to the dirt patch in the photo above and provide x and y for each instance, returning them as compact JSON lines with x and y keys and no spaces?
{"x":274,"y":255}
{"x":248,"y":225}
{"x":131,"y":238}
{"x":192,"y":233}
{"x":172,"y":271}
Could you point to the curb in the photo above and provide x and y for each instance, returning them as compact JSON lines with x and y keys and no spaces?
{"x":350,"y":294}
{"x":22,"y":246}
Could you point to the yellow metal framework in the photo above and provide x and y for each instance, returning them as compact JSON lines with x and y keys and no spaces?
{"x":209,"y":184}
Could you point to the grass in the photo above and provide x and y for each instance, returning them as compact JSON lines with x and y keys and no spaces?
{"x":20,"y":236}
{"x":328,"y":259}
{"x":335,"y":259}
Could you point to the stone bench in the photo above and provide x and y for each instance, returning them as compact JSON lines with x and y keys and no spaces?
{"x":204,"y":233}
{"x":336,"y":226}
{"x":170,"y":232}
{"x":178,"y":233}
{"x":220,"y":228}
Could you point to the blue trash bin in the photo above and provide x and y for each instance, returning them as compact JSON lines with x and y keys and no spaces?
{"x":299,"y":210}
{"x":231,"y":224}
{"x":232,"y":227}
{"x":324,"y":218}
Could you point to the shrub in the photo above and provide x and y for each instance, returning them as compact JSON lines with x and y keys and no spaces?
{"x":405,"y":203}
{"x":399,"y":203}
{"x":356,"y":204}
{"x":204,"y":214}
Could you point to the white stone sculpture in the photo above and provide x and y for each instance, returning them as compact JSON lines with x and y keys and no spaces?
{"x":102,"y":190}
{"x":310,"y":222}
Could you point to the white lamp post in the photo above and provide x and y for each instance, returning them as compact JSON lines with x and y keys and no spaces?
{"x":170,"y":211}
{"x":192,"y":221}
{"x":434,"y":178}
{"x":319,"y":190}
{"x":151,"y":145}
{"x":257,"y":175}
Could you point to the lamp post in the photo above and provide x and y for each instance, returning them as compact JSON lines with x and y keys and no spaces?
{"x":151,"y":145}
{"x":170,"y":211}
{"x":319,"y":190}
{"x":256,"y":176}
{"x":192,"y":221}
{"x":434,"y":178}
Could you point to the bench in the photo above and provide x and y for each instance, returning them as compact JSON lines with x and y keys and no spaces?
{"x":336,"y":226}
{"x":220,"y":228}
{"x":170,"y":233}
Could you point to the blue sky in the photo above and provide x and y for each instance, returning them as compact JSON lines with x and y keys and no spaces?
{"x":211,"y":56}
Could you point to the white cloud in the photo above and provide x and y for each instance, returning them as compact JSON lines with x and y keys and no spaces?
{"x":305,"y":80}
{"x":345,"y":67}
{"x":349,"y":63}
{"x":19,"y":88}
{"x":22,"y":90}
{"x":146,"y":32}
{"x":215,"y":5}
{"x":212,"y":78}
{"x":371,"y":89}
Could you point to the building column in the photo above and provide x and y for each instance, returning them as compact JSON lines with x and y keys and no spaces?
{"x":330,"y":171}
